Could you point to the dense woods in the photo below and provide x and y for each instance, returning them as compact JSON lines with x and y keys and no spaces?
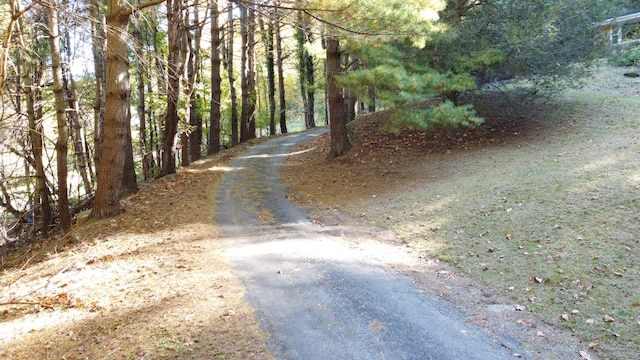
{"x":98,"y":95}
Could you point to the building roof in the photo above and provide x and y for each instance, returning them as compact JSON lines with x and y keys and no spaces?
{"x":633,"y":17}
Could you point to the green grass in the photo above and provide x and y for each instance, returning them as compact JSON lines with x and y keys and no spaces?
{"x":552,"y":220}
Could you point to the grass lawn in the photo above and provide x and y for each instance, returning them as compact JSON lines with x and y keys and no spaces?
{"x":550,"y":217}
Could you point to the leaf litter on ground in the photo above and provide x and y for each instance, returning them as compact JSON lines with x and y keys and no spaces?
{"x":150,"y":283}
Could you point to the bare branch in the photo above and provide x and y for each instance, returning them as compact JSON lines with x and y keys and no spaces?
{"x":291,"y":7}
{"x":146,"y":5}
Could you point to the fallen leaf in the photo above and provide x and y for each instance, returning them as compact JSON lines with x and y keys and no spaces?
{"x":376,"y":325}
{"x":593,"y":345}
{"x":525,"y":322}
{"x":608,"y":319}
{"x":590,"y":322}
{"x":584,"y":355}
{"x":564,"y":317}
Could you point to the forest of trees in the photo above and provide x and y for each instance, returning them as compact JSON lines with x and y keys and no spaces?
{"x":98,"y":95}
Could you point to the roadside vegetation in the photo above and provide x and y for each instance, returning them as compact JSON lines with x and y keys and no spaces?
{"x":150,"y":283}
{"x":627,"y":57}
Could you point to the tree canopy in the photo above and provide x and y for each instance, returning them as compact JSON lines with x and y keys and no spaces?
{"x":326,"y":60}
{"x":549,"y":43}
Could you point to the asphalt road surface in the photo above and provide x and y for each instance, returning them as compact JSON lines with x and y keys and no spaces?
{"x":317,"y":296}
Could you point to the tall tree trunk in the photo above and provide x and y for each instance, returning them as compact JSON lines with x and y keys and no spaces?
{"x":232,"y":87}
{"x":326,"y":96}
{"x":63,"y":136}
{"x":306,"y":71}
{"x":117,"y":113}
{"x":302,"y":69}
{"x":79,"y":141}
{"x":267,"y":38}
{"x":195,"y":123}
{"x":350,"y":97}
{"x":244,"y":74}
{"x":33,"y":94}
{"x":140,"y":108}
{"x":129,"y":178}
{"x":350,"y":106}
{"x":187,"y":58}
{"x":174,"y":20}
{"x":160,"y":65}
{"x":339,"y":140}
{"x":184,"y":148}
{"x":251,"y":74}
{"x":115,"y":175}
{"x":154,"y":143}
{"x":283,"y":101}
{"x":98,"y":35}
{"x":311,"y":93}
{"x":216,"y":80}
{"x":193,"y":71}
{"x":155,"y":135}
{"x":31,"y":73}
{"x":372,"y":100}
{"x":73,"y":115}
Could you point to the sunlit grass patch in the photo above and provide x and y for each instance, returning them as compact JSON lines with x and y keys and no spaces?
{"x":541,"y":203}
{"x":553,"y":223}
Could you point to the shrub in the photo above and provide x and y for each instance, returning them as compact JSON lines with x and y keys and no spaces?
{"x":627,"y":57}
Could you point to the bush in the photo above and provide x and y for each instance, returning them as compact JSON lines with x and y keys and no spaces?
{"x":627,"y":57}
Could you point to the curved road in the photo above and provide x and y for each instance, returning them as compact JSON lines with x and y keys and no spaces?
{"x":318,"y":297}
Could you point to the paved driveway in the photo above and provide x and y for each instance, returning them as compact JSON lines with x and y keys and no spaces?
{"x":315,"y":294}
